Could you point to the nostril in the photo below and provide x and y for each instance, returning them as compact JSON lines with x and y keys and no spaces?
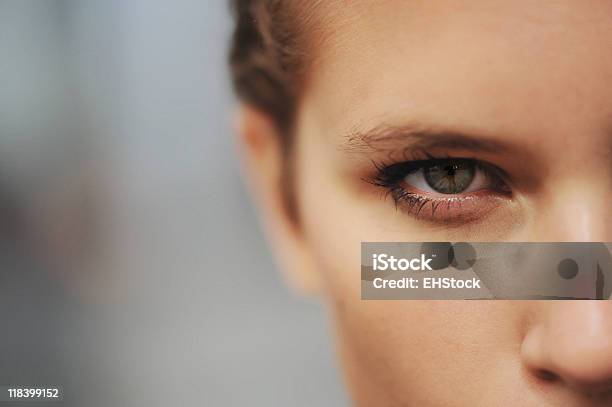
{"x":546,"y":375}
{"x":569,"y":347}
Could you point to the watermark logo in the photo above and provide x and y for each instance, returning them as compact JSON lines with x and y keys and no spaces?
{"x":385,"y":262}
{"x":486,"y":270}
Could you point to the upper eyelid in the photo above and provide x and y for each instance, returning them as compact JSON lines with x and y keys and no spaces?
{"x":417,"y":164}
{"x":409,"y":142}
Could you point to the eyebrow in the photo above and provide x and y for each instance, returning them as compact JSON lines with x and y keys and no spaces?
{"x":383,"y":138}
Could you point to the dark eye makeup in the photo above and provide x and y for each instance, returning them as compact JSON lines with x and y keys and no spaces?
{"x":442,"y":190}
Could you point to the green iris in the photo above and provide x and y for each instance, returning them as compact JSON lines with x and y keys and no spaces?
{"x":451,"y":177}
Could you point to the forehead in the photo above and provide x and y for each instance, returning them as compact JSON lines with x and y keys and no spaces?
{"x":506,"y":66}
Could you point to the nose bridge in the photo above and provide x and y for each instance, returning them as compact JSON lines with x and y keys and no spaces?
{"x":575,"y":209}
{"x":572,"y":342}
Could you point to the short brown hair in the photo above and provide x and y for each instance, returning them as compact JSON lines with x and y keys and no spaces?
{"x":268,"y":66}
{"x":267,"y":54}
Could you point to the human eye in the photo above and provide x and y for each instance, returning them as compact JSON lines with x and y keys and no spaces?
{"x":443,"y":190}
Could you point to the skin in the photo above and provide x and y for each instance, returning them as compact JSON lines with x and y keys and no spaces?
{"x":533,"y":77}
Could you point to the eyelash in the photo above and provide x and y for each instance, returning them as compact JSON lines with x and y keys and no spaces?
{"x":391,"y":176}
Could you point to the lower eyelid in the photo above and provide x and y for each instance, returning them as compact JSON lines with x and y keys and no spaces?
{"x":457,"y":209}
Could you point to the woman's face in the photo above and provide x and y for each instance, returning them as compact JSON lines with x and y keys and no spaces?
{"x":438,"y":120}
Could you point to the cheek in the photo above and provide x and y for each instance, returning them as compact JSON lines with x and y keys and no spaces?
{"x":392,"y":349}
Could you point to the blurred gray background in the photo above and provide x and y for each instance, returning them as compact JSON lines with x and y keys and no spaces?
{"x":132,"y":269}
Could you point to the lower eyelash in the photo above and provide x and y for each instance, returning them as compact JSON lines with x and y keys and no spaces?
{"x":416,"y":203}
{"x":410,"y":202}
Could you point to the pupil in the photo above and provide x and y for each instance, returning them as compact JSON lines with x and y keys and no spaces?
{"x":451,"y":178}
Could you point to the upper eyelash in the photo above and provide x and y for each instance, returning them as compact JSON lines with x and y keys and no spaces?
{"x":389,"y":176}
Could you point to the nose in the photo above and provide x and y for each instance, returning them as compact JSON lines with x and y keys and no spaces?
{"x":570,"y":344}
{"x":574,"y":212}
